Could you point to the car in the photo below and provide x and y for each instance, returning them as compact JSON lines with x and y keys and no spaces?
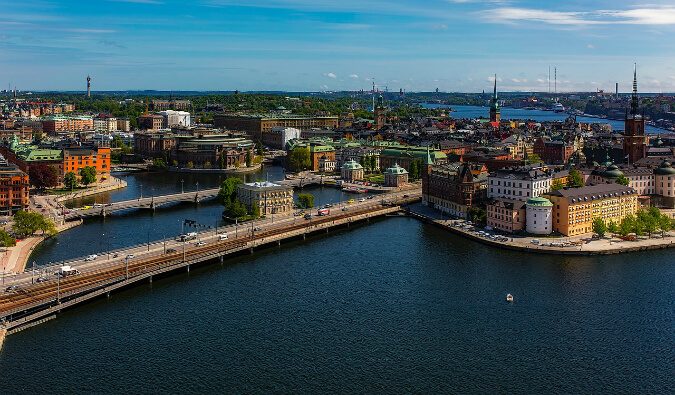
{"x":91,"y":257}
{"x":200,"y":243}
{"x":257,"y":229}
{"x":115,"y":255}
{"x":38,"y":205}
{"x":66,"y":212}
{"x":362,"y":200}
{"x":222,"y":237}
{"x":345,"y":209}
{"x":130,"y":256}
{"x":109,"y":204}
{"x":370,"y":197}
{"x":308,"y":216}
{"x":44,"y":209}
{"x":170,"y":250}
{"x":12,"y":288}
{"x":42,"y":279}
{"x":86,"y":208}
{"x":350,"y":201}
{"x":405,"y":196}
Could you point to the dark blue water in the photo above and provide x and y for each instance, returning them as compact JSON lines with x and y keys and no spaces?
{"x":393,"y":306}
{"x":536,"y":115}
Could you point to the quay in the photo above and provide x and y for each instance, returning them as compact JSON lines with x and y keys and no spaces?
{"x":35,"y":303}
{"x":584,"y":245}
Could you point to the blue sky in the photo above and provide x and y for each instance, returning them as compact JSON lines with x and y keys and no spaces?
{"x":310,"y":45}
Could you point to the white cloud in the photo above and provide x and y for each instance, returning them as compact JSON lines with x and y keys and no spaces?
{"x":516,"y":80}
{"x":330,"y":75}
{"x":645,"y":16}
{"x":492,"y":79}
{"x":590,"y":46}
{"x":324,"y":87}
{"x":138,"y":1}
{"x":639,"y":16}
{"x":356,"y":77}
{"x":539,"y":80}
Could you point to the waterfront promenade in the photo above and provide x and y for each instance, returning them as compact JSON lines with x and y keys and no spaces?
{"x":578,"y":245}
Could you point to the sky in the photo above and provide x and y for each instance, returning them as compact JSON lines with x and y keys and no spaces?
{"x":315,"y":45}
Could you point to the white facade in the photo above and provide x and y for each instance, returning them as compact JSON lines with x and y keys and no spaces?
{"x":518,"y":184}
{"x":539,"y":219}
{"x":286,"y":134}
{"x":665,"y":185}
{"x":175,"y":118}
{"x":108,"y":124}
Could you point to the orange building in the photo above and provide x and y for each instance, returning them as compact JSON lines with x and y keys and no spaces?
{"x":56,"y":124}
{"x":76,"y":158}
{"x":13,"y":189}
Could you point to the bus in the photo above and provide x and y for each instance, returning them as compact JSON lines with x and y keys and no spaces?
{"x":323,"y":211}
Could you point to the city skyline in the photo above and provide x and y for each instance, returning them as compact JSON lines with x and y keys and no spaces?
{"x":302,"y":45}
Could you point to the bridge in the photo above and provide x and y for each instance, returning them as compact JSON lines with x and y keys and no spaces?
{"x":151,"y":203}
{"x":32,"y":303}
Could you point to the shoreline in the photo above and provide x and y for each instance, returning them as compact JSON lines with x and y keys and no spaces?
{"x":603,"y":246}
{"x":254,"y":168}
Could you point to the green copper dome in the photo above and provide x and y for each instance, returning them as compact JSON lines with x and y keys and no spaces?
{"x":665,"y":169}
{"x":351,"y":165}
{"x":611,"y":172}
{"x":539,"y":202}
{"x":396,"y":169}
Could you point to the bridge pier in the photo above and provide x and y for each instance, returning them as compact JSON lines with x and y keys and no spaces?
{"x":187,"y":268}
{"x":107,"y":294}
{"x":103,"y":212}
{"x":150,"y":280}
{"x":279,"y":242}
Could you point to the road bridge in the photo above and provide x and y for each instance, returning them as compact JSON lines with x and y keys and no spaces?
{"x":32,"y":303}
{"x":151,"y":203}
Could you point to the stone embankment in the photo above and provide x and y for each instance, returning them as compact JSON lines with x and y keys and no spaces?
{"x":112,"y":184}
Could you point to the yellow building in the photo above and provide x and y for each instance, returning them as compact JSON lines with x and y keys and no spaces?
{"x":574,"y":209}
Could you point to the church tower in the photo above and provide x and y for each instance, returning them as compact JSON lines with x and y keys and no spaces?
{"x":635,"y":142}
{"x":379,"y":112}
{"x":494,"y":107}
{"x":88,"y":86}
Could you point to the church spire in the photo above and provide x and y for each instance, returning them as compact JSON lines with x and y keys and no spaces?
{"x":634,"y":98}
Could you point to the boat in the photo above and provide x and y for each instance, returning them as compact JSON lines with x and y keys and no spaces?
{"x":354,"y":190}
{"x":557,"y":107}
{"x":509,"y":298}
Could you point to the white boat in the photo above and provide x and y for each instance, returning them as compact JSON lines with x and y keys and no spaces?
{"x":509,"y":298}
{"x":557,"y":107}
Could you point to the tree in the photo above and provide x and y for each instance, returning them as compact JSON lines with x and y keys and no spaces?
{"x":6,"y":240}
{"x":415,"y":171}
{"x":159,"y":163}
{"x":622,"y":180}
{"x":255,"y":210}
{"x":228,"y":190}
{"x":235,"y":209}
{"x":613,"y":227}
{"x":190,"y":165}
{"x":174,"y":163}
{"x":260,"y":148}
{"x":373,"y":162}
{"x":557,"y":184}
{"x":627,"y":225}
{"x":300,"y":159}
{"x":221,"y":160}
{"x":477,"y":214}
{"x":237,"y":164}
{"x":599,"y":226}
{"x":647,"y":222}
{"x":25,"y":224}
{"x":534,"y":158}
{"x":248,"y":157}
{"x":88,"y":175}
{"x":665,"y":223}
{"x":574,"y":179}
{"x":363,"y":163}
{"x":42,"y":176}
{"x":70,"y":180}
{"x":306,"y":200}
{"x":207,"y":164}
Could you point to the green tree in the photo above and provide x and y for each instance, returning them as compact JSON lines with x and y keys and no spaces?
{"x":665,"y":223}
{"x":255,"y":210}
{"x":415,"y":170}
{"x":174,"y":163}
{"x":373,"y":162}
{"x":237,"y":164}
{"x":599,"y":226}
{"x":574,"y":179}
{"x":306,"y":200}
{"x":627,"y":225}
{"x":259,"y":147}
{"x":647,"y":222}
{"x":6,"y":240}
{"x":534,"y":158}
{"x":248,"y":157}
{"x":228,"y":190}
{"x":363,"y":163}
{"x":159,"y":163}
{"x":26,"y":224}
{"x":207,"y":164}
{"x":622,"y":180}
{"x":477,"y":214}
{"x":70,"y":180}
{"x":235,"y":209}
{"x":87,"y":175}
{"x":190,"y":165}
{"x":300,"y":159}
{"x":557,"y":184}
{"x":221,"y":160}
{"x":613,"y":227}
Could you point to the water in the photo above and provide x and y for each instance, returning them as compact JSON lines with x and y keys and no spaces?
{"x":393,"y":306}
{"x":536,"y":115}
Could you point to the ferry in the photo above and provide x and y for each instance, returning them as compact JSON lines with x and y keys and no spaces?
{"x":557,"y":107}
{"x":354,"y":190}
{"x":509,"y":298}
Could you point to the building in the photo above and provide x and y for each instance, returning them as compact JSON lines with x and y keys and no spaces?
{"x":173,"y":118}
{"x":105,"y":122}
{"x":351,"y":171}
{"x":453,"y":188}
{"x":507,"y":215}
{"x":640,"y":178}
{"x":355,"y":153}
{"x":664,"y":185}
{"x":326,"y":164}
{"x":574,"y":209}
{"x":56,"y":124}
{"x":635,"y":142}
{"x":539,"y":214}
{"x":404,"y":156}
{"x":123,"y":124}
{"x":260,"y":124}
{"x":556,"y":152}
{"x":495,"y":115}
{"x":212,"y":151}
{"x":380,"y":114}
{"x":150,"y":145}
{"x":150,"y":122}
{"x":271,"y":198}
{"x":74,"y":159}
{"x":519,"y":183}
{"x":279,"y":136}
{"x":14,"y":188}
{"x":161,"y":105}
{"x":395,"y":176}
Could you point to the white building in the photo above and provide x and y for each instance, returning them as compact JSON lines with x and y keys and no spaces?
{"x":521,"y":183}
{"x":286,"y":134}
{"x":271,"y":198}
{"x":175,"y":118}
{"x":105,"y":123}
{"x":539,"y":216}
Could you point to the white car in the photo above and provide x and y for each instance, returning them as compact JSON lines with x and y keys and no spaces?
{"x":91,"y":257}
{"x":222,"y":237}
{"x":199,"y":244}
{"x":130,"y":256}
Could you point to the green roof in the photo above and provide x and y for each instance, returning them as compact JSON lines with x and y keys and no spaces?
{"x":351,"y":165}
{"x":539,"y":202}
{"x":396,"y":169}
{"x":665,"y":169}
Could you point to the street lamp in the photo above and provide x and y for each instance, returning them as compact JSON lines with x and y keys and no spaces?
{"x":127,"y":267}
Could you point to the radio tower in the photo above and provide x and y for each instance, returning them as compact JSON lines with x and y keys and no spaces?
{"x":88,"y":86}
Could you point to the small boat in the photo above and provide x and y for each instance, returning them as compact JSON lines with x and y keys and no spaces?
{"x":509,"y":298}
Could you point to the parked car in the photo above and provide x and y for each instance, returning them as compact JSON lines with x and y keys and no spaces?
{"x":12,"y":288}
{"x":42,"y":279}
{"x":200,"y":243}
{"x":222,"y":237}
{"x":91,"y":257}
{"x":170,"y":250}
{"x":130,"y":256}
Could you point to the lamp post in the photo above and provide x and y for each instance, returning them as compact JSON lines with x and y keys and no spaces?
{"x":197,"y":187}
{"x":141,"y":184}
{"x":127,"y":267}
{"x":181,"y":186}
{"x":148,"y":239}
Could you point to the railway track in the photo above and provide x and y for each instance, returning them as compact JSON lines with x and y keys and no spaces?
{"x":52,"y":292}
